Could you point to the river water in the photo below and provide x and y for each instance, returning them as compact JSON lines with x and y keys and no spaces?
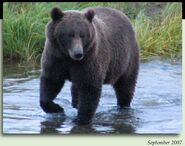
{"x":156,"y":106}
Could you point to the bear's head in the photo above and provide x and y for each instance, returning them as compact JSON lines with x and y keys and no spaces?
{"x":72,"y":32}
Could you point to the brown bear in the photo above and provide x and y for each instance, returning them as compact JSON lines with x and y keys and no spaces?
{"x":89,"y":48}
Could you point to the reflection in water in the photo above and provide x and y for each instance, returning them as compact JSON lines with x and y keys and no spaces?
{"x":122,"y":121}
{"x":156,"y":107}
{"x":50,"y":125}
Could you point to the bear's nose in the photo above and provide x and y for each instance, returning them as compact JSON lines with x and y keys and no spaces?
{"x":78,"y":55}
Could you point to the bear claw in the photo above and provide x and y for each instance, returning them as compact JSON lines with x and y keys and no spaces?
{"x":51,"y":107}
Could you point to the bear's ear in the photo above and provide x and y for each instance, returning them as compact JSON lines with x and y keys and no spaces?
{"x":89,"y":15}
{"x":56,"y":14}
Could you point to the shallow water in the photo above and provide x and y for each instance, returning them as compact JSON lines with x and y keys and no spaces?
{"x":156,"y":106}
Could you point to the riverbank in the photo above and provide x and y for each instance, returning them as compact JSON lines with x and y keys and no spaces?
{"x":158,"y":27}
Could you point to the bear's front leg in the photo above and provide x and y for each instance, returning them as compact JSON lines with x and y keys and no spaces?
{"x":74,"y":94}
{"x":48,"y":91}
{"x":89,"y":96}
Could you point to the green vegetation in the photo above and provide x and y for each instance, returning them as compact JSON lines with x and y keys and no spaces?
{"x":158,"y":27}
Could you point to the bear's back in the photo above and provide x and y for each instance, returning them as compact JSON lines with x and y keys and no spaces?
{"x":117,"y":38}
{"x":113,"y":23}
{"x":110,"y":16}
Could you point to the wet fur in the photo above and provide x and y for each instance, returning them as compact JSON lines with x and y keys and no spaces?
{"x":112,"y":58}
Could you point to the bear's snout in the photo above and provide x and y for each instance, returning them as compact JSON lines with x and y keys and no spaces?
{"x":76,"y":50}
{"x":76,"y":54}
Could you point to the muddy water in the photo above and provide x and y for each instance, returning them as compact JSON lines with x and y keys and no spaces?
{"x":156,"y":107}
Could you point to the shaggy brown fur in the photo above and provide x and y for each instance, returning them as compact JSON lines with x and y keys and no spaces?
{"x":88,"y":48}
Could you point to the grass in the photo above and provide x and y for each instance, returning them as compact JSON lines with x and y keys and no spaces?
{"x":162,"y":37}
{"x":159,"y":33}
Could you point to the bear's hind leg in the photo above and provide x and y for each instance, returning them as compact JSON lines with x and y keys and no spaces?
{"x":74,"y":94}
{"x":124,"y":89}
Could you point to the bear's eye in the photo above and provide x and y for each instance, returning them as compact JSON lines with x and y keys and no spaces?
{"x":82,"y":35}
{"x":71,"y":35}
